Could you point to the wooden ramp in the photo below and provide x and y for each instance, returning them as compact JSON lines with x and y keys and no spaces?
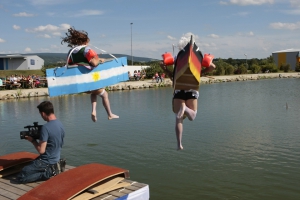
{"x":14,"y":162}
{"x":119,"y":188}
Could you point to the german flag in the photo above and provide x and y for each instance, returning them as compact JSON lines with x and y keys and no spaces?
{"x":188,"y":67}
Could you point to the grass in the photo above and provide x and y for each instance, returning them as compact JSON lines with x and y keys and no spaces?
{"x":4,"y":73}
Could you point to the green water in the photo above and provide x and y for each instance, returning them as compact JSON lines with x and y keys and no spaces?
{"x":244,"y":143}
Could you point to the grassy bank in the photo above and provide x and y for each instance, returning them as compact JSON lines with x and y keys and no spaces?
{"x":4,"y":73}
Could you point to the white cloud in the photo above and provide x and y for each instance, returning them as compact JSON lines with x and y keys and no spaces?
{"x":16,"y":27}
{"x":295,"y":3}
{"x":171,"y":38}
{"x":247,"y":2}
{"x":213,"y":36}
{"x":56,"y":34}
{"x":47,"y":2}
{"x":44,"y":36}
{"x":1,"y":40}
{"x":285,"y":26}
{"x":88,"y":13}
{"x":23,"y":14}
{"x":49,"y":30}
{"x":292,"y":12}
{"x":27,"y":49}
{"x":247,"y":34}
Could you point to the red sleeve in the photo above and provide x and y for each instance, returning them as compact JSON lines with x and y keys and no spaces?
{"x":91,"y":54}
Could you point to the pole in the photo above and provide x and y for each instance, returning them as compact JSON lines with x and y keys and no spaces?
{"x":246,"y":61}
{"x":131,"y":45}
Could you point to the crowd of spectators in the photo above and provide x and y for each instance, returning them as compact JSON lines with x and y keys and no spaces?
{"x":21,"y":81}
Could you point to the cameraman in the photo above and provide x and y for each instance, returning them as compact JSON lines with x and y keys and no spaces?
{"x":49,"y":146}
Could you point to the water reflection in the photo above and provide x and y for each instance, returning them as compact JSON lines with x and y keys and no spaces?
{"x":244,"y":143}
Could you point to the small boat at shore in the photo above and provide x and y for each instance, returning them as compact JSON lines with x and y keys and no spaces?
{"x":90,"y":181}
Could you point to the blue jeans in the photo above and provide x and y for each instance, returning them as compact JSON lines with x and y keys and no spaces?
{"x":36,"y":170}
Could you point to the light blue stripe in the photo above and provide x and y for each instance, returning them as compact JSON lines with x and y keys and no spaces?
{"x":78,"y":88}
{"x":72,"y":71}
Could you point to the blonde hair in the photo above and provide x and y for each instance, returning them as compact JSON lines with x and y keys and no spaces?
{"x":185,"y":39}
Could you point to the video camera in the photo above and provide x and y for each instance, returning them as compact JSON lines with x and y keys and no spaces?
{"x":33,"y":131}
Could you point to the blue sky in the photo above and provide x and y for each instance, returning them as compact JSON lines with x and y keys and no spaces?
{"x":226,"y":28}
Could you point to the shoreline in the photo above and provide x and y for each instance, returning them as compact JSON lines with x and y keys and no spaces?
{"x":148,"y":83}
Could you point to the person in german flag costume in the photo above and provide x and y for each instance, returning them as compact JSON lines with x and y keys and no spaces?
{"x":188,"y":66}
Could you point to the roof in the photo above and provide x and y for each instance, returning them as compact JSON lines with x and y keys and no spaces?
{"x":15,"y":56}
{"x":287,"y":50}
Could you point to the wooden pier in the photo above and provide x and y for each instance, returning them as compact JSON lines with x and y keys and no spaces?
{"x":10,"y":190}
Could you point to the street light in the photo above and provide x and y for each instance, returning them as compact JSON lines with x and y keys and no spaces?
{"x":131,"y":44}
{"x":246,"y":61}
{"x":173,"y":48}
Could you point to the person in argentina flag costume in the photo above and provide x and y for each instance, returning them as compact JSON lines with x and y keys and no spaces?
{"x":83,"y":55}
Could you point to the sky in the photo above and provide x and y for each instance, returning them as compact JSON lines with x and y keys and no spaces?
{"x":239,"y":29}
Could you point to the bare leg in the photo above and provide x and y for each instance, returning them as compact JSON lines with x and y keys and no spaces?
{"x":94,"y":105}
{"x":181,"y":110}
{"x":106,"y":104}
{"x":191,"y":114}
{"x":179,"y":130}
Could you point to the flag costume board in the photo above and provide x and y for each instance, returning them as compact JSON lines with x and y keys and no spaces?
{"x":77,"y":79}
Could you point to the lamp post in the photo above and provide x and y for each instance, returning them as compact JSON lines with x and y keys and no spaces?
{"x":131,"y":44}
{"x":246,"y":61}
{"x":173,"y":45}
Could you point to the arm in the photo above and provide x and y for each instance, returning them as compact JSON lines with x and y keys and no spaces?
{"x":39,"y":146}
{"x":93,"y":58}
{"x":208,"y":69}
{"x":168,"y":72}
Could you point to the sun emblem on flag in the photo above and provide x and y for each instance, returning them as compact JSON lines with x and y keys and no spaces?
{"x":96,"y":76}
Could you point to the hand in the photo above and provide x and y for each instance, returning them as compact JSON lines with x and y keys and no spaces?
{"x":162,"y":65}
{"x":29,"y":138}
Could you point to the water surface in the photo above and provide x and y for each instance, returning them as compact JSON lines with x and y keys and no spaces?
{"x":244,"y":143}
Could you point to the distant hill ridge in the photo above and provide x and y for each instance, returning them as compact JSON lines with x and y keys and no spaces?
{"x":51,"y":58}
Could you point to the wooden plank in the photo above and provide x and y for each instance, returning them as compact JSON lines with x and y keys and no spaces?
{"x":8,"y":194}
{"x":12,"y":170}
{"x":102,"y":189}
{"x":83,"y":177}
{"x":12,"y":189}
{"x":17,"y":158}
{"x":19,"y":186}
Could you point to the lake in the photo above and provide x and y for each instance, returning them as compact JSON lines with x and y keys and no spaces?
{"x":243,"y":144}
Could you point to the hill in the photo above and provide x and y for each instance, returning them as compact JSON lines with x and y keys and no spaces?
{"x":51,"y":58}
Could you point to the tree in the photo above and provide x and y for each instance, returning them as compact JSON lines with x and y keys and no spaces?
{"x":255,"y":69}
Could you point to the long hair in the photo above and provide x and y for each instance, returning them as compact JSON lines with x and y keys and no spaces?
{"x":185,"y":39}
{"x":74,"y":37}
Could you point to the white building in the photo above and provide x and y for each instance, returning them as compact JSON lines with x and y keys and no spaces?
{"x":288,"y":56}
{"x":132,"y":68}
{"x":21,"y":62}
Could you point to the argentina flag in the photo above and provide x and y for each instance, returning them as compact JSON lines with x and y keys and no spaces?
{"x":73,"y":80}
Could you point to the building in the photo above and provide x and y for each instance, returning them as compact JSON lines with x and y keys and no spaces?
{"x":289,"y":56}
{"x":21,"y":62}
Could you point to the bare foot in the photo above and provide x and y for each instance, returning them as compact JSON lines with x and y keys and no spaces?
{"x":181,"y":111}
{"x":180,"y":148}
{"x":94,"y":117}
{"x":113,"y":116}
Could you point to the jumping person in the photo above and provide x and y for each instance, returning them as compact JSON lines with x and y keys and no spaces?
{"x":186,"y":82}
{"x":82,"y":54}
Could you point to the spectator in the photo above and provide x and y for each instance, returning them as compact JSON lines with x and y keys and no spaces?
{"x":155,"y":77}
{"x":143,"y":75}
{"x":138,"y":77}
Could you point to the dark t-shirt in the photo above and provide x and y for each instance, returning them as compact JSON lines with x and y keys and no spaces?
{"x":53,"y":133}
